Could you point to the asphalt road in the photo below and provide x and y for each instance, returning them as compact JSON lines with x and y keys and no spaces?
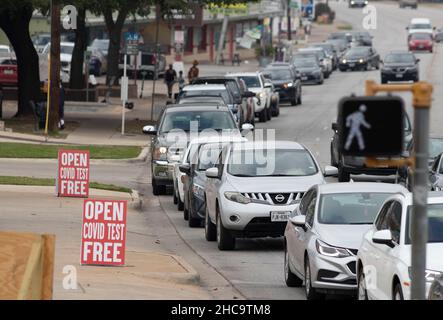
{"x":255,"y":268}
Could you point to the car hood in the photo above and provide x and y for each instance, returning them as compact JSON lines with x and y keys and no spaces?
{"x":344,"y":236}
{"x":274,"y":184}
{"x":399,"y":65}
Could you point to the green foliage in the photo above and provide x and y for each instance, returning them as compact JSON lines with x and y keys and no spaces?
{"x":323,"y":8}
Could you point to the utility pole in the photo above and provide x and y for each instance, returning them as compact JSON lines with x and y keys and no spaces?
{"x":54,"y":73}
{"x":221,"y":40}
{"x":288,"y":15}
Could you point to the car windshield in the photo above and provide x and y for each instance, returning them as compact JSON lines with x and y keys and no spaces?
{"x":181,"y":120}
{"x":208,"y":156}
{"x":357,"y":52}
{"x":271,"y":163}
{"x":435,"y":223}
{"x":435,"y":147}
{"x":350,"y":208}
{"x":420,"y":36}
{"x":192,"y":93}
{"x":305,"y":63}
{"x":66,"y":49}
{"x":279,"y":74}
{"x":421,"y":26}
{"x":251,"y":82}
{"x":400,"y":58}
{"x":319,"y":53}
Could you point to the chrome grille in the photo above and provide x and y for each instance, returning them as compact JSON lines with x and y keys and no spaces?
{"x":273,"y":198}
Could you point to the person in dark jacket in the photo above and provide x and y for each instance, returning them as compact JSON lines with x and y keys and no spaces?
{"x":170,"y":77}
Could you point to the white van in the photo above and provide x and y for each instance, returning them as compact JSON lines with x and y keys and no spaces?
{"x":422,"y":25}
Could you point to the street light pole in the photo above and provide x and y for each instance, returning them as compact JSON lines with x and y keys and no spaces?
{"x":288,"y":14}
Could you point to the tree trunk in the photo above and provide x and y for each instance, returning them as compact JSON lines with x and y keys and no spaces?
{"x":77,"y":79}
{"x":16,"y":27}
{"x":114,"y":31}
{"x":54,"y":106}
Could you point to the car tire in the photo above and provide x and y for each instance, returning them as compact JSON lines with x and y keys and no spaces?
{"x":157,"y":189}
{"x":175,"y":198}
{"x":180,"y":204}
{"x":397,"y":293}
{"x":311,"y":293}
{"x":333,"y":161}
{"x":185,"y":214}
{"x":299,"y":100}
{"x":263,"y":117}
{"x":291,"y":279}
{"x":343,"y":176}
{"x":225,"y":240}
{"x":269,"y":113}
{"x":326,"y":75}
{"x":210,"y":228}
{"x":362,"y":292}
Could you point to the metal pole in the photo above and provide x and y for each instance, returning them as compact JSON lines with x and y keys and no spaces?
{"x":419,"y":219}
{"x":156,"y":63}
{"x":124,"y":101}
{"x":289,"y":20}
{"x":221,"y":39}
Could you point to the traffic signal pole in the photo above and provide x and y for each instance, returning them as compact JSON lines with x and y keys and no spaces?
{"x":422,"y":96}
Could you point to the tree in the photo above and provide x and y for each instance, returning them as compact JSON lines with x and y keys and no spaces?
{"x":77,"y":79}
{"x":15,"y":17}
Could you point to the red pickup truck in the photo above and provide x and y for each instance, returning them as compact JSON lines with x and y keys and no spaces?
{"x":8,"y":71}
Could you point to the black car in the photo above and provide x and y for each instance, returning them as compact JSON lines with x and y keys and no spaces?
{"x":400,"y":66}
{"x":348,"y":165}
{"x":357,"y":3}
{"x":360,"y":58}
{"x":361,"y":38}
{"x":310,"y":71}
{"x":172,"y":135}
{"x":286,"y":82}
{"x":238,"y":91}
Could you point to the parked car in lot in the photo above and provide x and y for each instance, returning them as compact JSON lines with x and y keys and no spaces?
{"x":172,"y":134}
{"x":323,"y":237}
{"x":348,"y":165}
{"x":254,"y":187}
{"x":310,"y":71}
{"x":66,"y":49}
{"x":384,"y":256}
{"x":190,"y":178}
{"x":400,"y":66}
{"x":8,"y":71}
{"x":256,"y":82}
{"x":243,"y":101}
{"x":357,"y":3}
{"x":360,"y":58}
{"x":286,"y":82}
{"x":408,"y":3}
{"x":420,"y":42}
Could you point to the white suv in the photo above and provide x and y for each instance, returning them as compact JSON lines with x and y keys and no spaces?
{"x":384,"y":257}
{"x":256,"y":82}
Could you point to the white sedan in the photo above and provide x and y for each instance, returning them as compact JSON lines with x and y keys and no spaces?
{"x":384,"y":257}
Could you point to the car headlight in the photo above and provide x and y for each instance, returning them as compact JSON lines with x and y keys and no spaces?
{"x":262,"y":95}
{"x":237,"y":197}
{"x":430,"y":275}
{"x":330,"y":251}
{"x":159,"y":153}
{"x":361,"y":60}
{"x":344,"y":61}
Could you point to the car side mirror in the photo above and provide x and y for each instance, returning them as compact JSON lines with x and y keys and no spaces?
{"x":212,"y":173}
{"x":334,"y":126}
{"x":246,"y":128}
{"x":249,"y":94}
{"x":330,"y":171}
{"x":383,"y":237}
{"x":298,"y":221}
{"x":417,"y":60}
{"x":149,"y":130}
{"x":185,"y":168}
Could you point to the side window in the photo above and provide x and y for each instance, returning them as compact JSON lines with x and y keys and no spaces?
{"x":435,"y":166}
{"x":394,"y":221}
{"x":305,"y":202}
{"x":380,"y":222}
{"x":310,"y":210}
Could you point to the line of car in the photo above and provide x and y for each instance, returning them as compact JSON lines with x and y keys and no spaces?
{"x":349,"y":238}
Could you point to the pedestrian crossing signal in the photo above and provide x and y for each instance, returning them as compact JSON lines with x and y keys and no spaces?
{"x":371,"y":126}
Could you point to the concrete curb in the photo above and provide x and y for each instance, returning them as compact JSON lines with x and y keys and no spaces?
{"x":191,"y":276}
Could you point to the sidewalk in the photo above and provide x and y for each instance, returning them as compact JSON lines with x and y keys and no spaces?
{"x":148,"y":274}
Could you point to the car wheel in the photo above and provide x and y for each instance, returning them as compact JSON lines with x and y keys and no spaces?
{"x":333,"y":161}
{"x":343,"y":176}
{"x":263,"y":117}
{"x":180,"y":203}
{"x":185,"y":214}
{"x":175,"y":195}
{"x":269,"y":113}
{"x":210,"y":228}
{"x":326,"y":75}
{"x":397,"y":293}
{"x":225,"y":240}
{"x":311,"y":293}
{"x":290,"y":278}
{"x":362,"y":293}
{"x":192,"y":221}
{"x":299,"y":99}
{"x":156,"y":189}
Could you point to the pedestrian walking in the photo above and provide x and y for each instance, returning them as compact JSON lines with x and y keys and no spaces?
{"x":181,"y":81}
{"x":170,"y":77}
{"x":193,"y":72}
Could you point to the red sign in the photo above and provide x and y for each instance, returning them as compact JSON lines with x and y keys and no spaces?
{"x":103,"y":232}
{"x":73,"y":173}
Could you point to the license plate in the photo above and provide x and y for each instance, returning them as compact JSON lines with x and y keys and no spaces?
{"x":304,"y":78}
{"x":421,"y":46}
{"x":279,"y":216}
{"x":8,"y":72}
{"x":352,"y":65}
{"x":399,"y":75}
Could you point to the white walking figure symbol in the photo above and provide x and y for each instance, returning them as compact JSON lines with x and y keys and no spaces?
{"x":355,"y":120}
